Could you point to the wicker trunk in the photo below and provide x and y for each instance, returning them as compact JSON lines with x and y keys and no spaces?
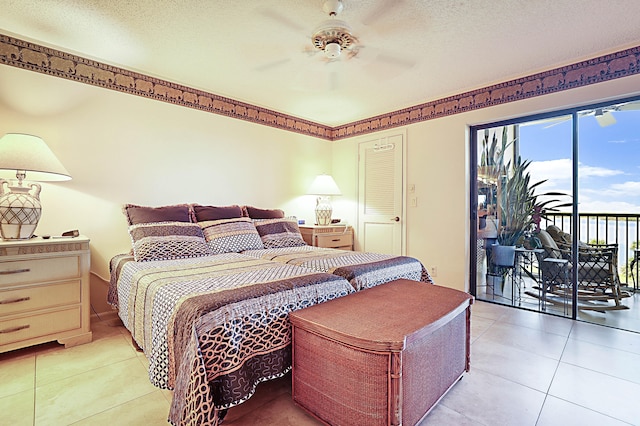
{"x":382,"y":356}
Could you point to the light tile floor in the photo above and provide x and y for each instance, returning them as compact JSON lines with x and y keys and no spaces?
{"x":526,"y":369}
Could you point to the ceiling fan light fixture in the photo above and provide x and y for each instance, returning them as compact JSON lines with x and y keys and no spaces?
{"x":332,"y":37}
{"x":332,"y":50}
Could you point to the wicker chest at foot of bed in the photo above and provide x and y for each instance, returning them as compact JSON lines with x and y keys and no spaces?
{"x":382,"y":356}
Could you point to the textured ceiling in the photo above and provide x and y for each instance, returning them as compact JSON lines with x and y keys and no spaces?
{"x":413,"y":51}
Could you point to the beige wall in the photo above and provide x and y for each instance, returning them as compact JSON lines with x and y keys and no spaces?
{"x":437,"y":163}
{"x":125,"y":149}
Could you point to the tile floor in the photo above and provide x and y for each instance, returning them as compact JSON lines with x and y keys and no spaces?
{"x":527,"y":369}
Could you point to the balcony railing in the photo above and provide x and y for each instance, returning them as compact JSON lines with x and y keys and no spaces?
{"x":622,"y":229}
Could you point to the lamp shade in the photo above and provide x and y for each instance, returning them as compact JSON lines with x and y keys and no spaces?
{"x":20,"y":207}
{"x":20,"y":152}
{"x":324,"y":185}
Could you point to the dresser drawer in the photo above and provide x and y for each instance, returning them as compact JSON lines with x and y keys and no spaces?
{"x":32,"y":298}
{"x":335,"y":241}
{"x":39,"y":270}
{"x":29,"y":327}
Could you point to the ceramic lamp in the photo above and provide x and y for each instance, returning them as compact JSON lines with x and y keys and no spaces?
{"x":20,"y":207}
{"x":324,"y":186}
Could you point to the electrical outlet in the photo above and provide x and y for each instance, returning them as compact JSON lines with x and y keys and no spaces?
{"x":434,"y":271}
{"x":413,"y":202}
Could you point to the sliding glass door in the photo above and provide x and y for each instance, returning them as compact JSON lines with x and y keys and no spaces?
{"x":524,"y":173}
{"x":609,"y":212}
{"x":555,"y":213}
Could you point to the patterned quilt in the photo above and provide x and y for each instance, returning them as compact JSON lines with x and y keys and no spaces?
{"x":361,"y":269}
{"x":214,"y":327}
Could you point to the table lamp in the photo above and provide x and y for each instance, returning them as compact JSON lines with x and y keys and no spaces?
{"x":324,"y":187}
{"x":20,"y":207}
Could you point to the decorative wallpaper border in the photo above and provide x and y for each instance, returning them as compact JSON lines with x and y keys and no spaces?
{"x":30,"y":56}
{"x":608,"y":67}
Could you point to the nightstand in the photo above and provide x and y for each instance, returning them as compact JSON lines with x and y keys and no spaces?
{"x":332,"y":236}
{"x":44,"y":292}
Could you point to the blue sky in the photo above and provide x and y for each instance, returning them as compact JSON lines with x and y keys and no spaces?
{"x":609,"y":160}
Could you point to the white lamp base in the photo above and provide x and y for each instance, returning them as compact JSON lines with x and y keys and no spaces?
{"x":19,"y":211}
{"x":323,"y":211}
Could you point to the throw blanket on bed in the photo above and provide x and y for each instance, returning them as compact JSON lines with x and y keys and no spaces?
{"x":214,"y":327}
{"x":361,"y":269}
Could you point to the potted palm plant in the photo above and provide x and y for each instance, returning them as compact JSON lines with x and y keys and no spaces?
{"x":519,"y":210}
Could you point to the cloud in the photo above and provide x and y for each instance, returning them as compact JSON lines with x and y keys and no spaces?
{"x":605,"y":206}
{"x":621,"y":141}
{"x":627,"y":187}
{"x":558,"y":173}
{"x":585,"y":171}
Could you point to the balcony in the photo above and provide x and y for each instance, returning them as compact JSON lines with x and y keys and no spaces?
{"x":610,"y":228}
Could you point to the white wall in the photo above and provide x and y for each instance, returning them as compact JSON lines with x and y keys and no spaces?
{"x":438,"y":164}
{"x":121,"y":149}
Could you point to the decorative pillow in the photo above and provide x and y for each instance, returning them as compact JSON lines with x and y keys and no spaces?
{"x":256,"y":213}
{"x":167,"y":240}
{"x":283,"y":232}
{"x":231,"y":235}
{"x":204,"y":213}
{"x":141,"y":214}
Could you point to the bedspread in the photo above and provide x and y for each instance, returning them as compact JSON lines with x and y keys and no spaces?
{"x":214,"y":327}
{"x":361,"y":269}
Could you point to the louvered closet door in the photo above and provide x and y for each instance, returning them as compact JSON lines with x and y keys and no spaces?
{"x":380,"y":214}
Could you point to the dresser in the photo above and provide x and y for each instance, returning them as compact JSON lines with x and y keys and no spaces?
{"x":44,"y":292}
{"x":332,"y":236}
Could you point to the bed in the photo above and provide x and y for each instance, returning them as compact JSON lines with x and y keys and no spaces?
{"x":207,"y":297}
{"x":214,"y":327}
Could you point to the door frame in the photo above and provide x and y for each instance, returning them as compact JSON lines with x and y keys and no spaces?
{"x":473,"y":181}
{"x":403,"y":176}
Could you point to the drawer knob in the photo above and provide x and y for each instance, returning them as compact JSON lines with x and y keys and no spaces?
{"x":14,"y":271}
{"x":16,"y":300}
{"x":14,"y":329}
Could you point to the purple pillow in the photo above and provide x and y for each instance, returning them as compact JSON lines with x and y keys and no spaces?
{"x":141,"y":214}
{"x":204,"y":213}
{"x":256,"y":213}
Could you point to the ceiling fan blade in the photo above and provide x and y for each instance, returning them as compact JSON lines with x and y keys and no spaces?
{"x":281,"y":19}
{"x":272,"y":64}
{"x":382,"y":65}
{"x":381,"y":10}
{"x":629,"y":106}
{"x":395,"y":60}
{"x":334,"y":81}
{"x":605,"y":119}
{"x":554,"y":121}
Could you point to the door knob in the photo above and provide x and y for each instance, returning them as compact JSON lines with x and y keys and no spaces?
{"x":396,"y":219}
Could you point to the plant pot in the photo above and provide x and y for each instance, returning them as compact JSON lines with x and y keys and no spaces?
{"x":496,"y":282}
{"x":503,"y":255}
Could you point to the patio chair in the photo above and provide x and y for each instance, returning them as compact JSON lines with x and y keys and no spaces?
{"x":598,"y":281}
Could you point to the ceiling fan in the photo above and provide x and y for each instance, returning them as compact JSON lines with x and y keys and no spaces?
{"x":336,"y":41}
{"x":333,"y":36}
{"x":604,"y":116}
